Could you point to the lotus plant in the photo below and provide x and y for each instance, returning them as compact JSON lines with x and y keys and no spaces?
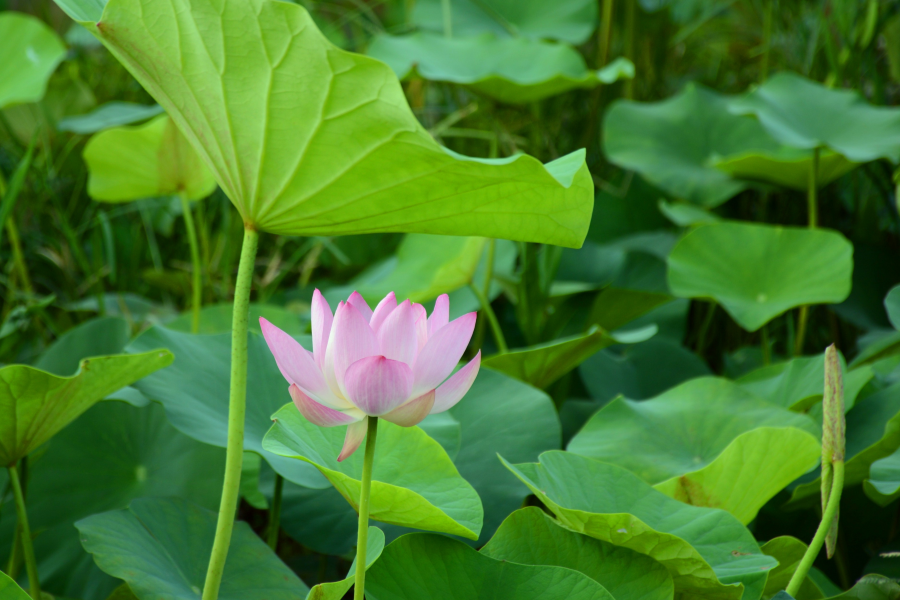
{"x":394,"y":363}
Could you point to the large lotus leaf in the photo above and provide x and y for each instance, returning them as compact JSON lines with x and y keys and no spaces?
{"x":786,"y":166}
{"x":9,"y":590}
{"x":35,"y":405}
{"x":96,"y":337}
{"x":109,"y":456}
{"x":194,"y":391}
{"x":216,"y":318}
{"x":749,"y":471}
{"x":871,"y":587}
{"x":308,"y":139}
{"x":543,"y":364}
{"x":680,"y":431}
{"x":509,"y":69}
{"x":414,"y":482}
{"x":883,"y":484}
{"x":892,"y":306}
{"x":614,"y":307}
{"x":531,"y":537}
{"x":421,"y":565}
{"x":674,"y":143}
{"x":757,"y":272}
{"x":424,"y":267}
{"x":144,"y":161}
{"x":799,"y":383}
{"x":335,"y":590}
{"x":29,"y":54}
{"x":706,"y":551}
{"x":788,"y":551}
{"x":111,"y":114}
{"x":640,"y":371}
{"x":873,"y":433}
{"x":568,"y":20}
{"x":161,"y":549}
{"x":804,"y":114}
{"x":499,"y":415}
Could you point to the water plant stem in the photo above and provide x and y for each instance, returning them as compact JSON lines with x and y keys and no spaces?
{"x":362,"y":534}
{"x":18,"y":257}
{"x":764,"y":339}
{"x":828,"y":516}
{"x":704,"y":328}
{"x":766,"y":41}
{"x":27,"y":548}
{"x":447,"y":17}
{"x":196,"y":265}
{"x":275,"y":513}
{"x":604,"y":33}
{"x":492,"y":318}
{"x":237,"y":404}
{"x":630,"y":17}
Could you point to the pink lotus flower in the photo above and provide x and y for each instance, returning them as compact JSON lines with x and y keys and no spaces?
{"x":393,"y":362}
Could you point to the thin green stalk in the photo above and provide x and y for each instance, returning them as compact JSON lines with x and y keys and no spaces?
{"x":492,"y":319}
{"x":18,"y":257}
{"x":447,"y":16}
{"x":15,"y":555}
{"x":27,"y":548}
{"x":630,"y":17}
{"x":767,"y":41}
{"x":766,"y":351}
{"x":489,"y":266}
{"x":815,"y":546}
{"x":604,"y":33}
{"x":196,"y":265}
{"x":237,"y":404}
{"x":704,"y":328}
{"x":359,"y":586}
{"x":275,"y":513}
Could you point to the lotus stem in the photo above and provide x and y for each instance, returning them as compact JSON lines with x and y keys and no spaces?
{"x":704,"y":328}
{"x":764,"y":338}
{"x":630,"y":17}
{"x":359,"y":586}
{"x":237,"y":404}
{"x":27,"y":548}
{"x":275,"y":513}
{"x":196,"y":265}
{"x":492,"y":318}
{"x":18,"y":257}
{"x":813,"y":212}
{"x":604,"y":33}
{"x":815,"y":546}
{"x":766,"y":41}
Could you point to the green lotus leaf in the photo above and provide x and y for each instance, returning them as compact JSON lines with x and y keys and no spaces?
{"x":194,"y":392}
{"x":422,"y":565}
{"x":873,"y":433}
{"x":757,"y":272}
{"x":320,"y":519}
{"x":414,"y":482}
{"x":335,"y":590}
{"x":788,"y":167}
{"x":216,"y":318}
{"x":531,"y":537}
{"x":35,"y":404}
{"x":514,"y":70}
{"x":883,"y":484}
{"x":345,"y":154}
{"x":129,"y":163}
{"x":799,"y":383}
{"x":685,"y":214}
{"x":708,"y":552}
{"x":754,"y":467}
{"x":892,"y":306}
{"x":676,"y":144}
{"x":568,"y":20}
{"x":30,"y":53}
{"x":111,"y":114}
{"x":801,"y":113}
{"x":543,"y":364}
{"x":614,"y":307}
{"x":871,"y":587}
{"x":640,"y":371}
{"x":97,"y":337}
{"x":161,"y":548}
{"x":106,"y":458}
{"x":9,"y":589}
{"x":788,"y":551}
{"x":681,"y":430}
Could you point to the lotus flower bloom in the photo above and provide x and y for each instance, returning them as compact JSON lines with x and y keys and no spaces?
{"x":394,"y":362}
